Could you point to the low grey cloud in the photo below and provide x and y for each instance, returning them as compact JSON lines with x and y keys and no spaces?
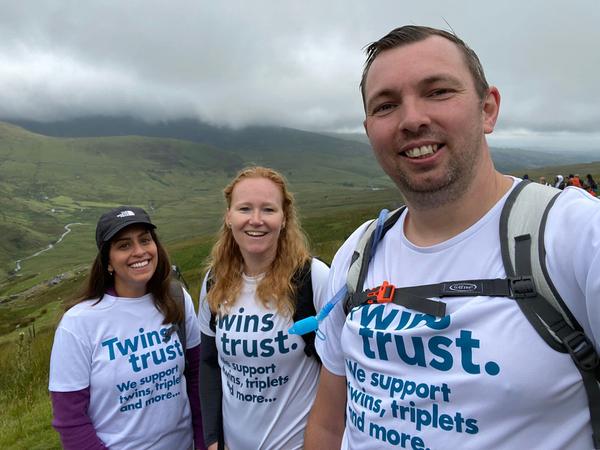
{"x":295,"y":64}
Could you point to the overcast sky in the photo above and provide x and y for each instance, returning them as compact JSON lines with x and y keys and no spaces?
{"x":288,"y":63}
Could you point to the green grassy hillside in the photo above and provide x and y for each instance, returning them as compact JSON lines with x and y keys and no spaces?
{"x":48,"y":182}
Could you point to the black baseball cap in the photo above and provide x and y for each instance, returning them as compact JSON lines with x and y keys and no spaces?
{"x":112,"y":222}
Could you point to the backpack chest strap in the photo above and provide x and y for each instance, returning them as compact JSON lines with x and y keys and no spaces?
{"x":418,"y":298}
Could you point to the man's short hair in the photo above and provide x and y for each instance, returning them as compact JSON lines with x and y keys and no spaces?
{"x":410,"y":34}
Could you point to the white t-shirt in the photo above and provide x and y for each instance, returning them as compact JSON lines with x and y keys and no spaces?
{"x":268,"y":382}
{"x":480,"y":377}
{"x":138,"y":397}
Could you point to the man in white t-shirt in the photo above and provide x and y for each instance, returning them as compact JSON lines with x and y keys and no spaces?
{"x":480,"y":377}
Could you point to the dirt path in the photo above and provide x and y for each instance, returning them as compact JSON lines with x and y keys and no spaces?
{"x":50,"y":246}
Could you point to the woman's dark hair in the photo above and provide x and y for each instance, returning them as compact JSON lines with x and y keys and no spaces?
{"x":99,"y":280}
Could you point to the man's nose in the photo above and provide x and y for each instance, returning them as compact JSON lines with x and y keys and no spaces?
{"x":414,"y":116}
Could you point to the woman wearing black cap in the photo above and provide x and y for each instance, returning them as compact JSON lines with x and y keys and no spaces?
{"x":118,"y":372}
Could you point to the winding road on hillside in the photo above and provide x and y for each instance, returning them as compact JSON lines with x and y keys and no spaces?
{"x":50,"y":246}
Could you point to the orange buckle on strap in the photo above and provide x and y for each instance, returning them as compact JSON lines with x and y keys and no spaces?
{"x":381,"y":294}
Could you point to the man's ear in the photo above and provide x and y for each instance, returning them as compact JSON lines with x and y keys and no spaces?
{"x":491,"y":108}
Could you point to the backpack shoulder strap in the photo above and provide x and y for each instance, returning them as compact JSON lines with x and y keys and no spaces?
{"x":359,"y":264}
{"x":525,"y":213}
{"x":212,"y":323}
{"x":176,"y":291}
{"x":305,"y":305}
{"x":522,"y":226}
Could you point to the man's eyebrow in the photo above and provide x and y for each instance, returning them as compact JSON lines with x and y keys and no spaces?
{"x":440,"y":78}
{"x":382,"y":93}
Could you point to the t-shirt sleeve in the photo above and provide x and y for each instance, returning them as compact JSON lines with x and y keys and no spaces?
{"x":592,"y":291}
{"x":192,"y":328}
{"x":70,"y":360}
{"x":319,"y":273}
{"x":328,"y":346}
{"x":204,"y":311}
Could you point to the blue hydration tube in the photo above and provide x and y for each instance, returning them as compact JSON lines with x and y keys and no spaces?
{"x":310,"y":324}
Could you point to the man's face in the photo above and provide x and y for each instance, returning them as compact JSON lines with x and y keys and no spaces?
{"x":425,"y":121}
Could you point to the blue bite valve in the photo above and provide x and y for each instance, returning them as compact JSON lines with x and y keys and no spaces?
{"x":304,"y":326}
{"x":312,"y":323}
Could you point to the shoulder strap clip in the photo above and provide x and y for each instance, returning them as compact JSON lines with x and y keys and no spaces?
{"x":582,"y":351}
{"x":522,"y":287}
{"x":381,"y":294}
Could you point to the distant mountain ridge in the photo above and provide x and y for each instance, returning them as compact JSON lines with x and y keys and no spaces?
{"x":257,"y":141}
{"x":251,"y":138}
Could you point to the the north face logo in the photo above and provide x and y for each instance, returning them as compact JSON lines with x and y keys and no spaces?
{"x":125,"y":214}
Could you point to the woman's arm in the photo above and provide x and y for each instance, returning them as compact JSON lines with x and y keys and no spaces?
{"x":210,"y":391}
{"x":71,"y":420}
{"x":192,"y":380}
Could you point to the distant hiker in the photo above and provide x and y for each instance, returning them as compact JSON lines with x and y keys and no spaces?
{"x":118,"y":372}
{"x":574,"y":180}
{"x":259,"y":382}
{"x":559,"y":182}
{"x":543,"y":181}
{"x":526,"y":177}
{"x":586,"y":187}
{"x":418,"y":359}
{"x":592,"y":183}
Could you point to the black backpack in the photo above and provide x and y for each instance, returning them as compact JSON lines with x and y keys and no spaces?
{"x":176,"y":290}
